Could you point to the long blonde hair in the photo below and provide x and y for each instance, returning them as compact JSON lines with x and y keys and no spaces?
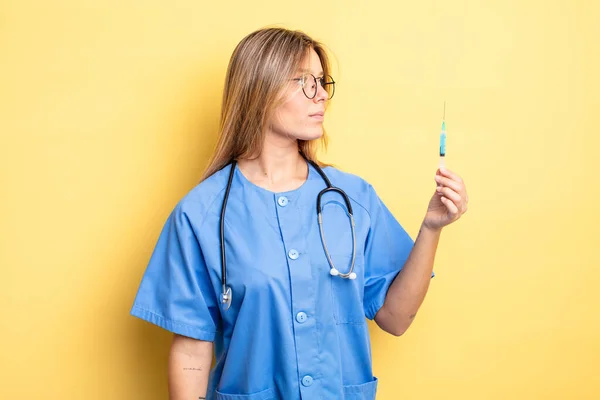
{"x":258,"y":71}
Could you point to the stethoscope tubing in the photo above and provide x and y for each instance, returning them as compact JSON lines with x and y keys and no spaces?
{"x":226,"y":293}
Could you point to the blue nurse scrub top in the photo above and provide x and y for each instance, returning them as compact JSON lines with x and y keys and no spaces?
{"x":293,"y":330}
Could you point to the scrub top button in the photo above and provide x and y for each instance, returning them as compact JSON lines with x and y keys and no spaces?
{"x":307,"y":380}
{"x":293,"y":254}
{"x":282,"y":201}
{"x":301,"y":317}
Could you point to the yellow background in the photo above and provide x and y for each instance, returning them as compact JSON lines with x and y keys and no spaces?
{"x":108,"y":112}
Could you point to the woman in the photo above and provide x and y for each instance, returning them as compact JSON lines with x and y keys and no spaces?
{"x":283,"y":307}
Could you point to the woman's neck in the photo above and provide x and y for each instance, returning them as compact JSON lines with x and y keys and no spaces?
{"x":278,"y":169}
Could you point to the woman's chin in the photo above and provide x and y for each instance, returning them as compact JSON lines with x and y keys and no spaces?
{"x":311,"y":135}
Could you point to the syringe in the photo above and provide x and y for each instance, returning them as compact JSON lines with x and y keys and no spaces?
{"x":443,"y":140}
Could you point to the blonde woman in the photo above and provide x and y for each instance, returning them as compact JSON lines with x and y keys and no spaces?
{"x":274,"y":261}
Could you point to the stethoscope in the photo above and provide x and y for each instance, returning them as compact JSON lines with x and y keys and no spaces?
{"x":226,"y":293}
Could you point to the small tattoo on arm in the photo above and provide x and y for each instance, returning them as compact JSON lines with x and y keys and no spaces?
{"x":419,"y":234}
{"x":192,"y":369}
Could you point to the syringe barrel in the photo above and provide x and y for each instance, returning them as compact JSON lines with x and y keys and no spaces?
{"x":443,"y":144}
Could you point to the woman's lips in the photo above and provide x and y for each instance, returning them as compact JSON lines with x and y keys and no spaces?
{"x":318,"y":116}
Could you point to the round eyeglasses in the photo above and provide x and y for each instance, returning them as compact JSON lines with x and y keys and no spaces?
{"x":310,"y":85}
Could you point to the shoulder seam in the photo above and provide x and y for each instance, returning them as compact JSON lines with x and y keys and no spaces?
{"x":209,"y":206}
{"x":352,"y":198}
{"x":361,"y":206}
{"x":212,"y":202}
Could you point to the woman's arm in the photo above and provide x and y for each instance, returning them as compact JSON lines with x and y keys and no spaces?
{"x":410,"y":286}
{"x":189,"y":366}
{"x":408,"y":290}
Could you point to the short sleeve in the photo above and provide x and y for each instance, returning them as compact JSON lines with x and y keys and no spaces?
{"x":387,"y":248}
{"x":175,"y":292}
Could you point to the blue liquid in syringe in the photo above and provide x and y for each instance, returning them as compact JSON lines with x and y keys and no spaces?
{"x":443,"y":140}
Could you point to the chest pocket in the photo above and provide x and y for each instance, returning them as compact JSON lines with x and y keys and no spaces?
{"x":347,"y":294}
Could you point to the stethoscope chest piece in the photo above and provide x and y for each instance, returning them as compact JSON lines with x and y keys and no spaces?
{"x":334,"y":272}
{"x":226,"y":298}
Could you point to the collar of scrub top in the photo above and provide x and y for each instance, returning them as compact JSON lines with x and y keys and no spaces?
{"x":226,"y":294}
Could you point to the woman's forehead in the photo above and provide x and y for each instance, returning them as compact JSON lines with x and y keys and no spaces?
{"x":311,"y":64}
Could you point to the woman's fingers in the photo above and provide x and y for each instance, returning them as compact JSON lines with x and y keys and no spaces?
{"x":447,"y":178}
{"x":459,"y":202}
{"x":443,"y":181}
{"x":449,"y":194}
{"x":452,"y":192}
{"x":452,"y":209}
{"x":449,"y":174}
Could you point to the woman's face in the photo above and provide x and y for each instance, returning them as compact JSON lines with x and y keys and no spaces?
{"x":300,"y":117}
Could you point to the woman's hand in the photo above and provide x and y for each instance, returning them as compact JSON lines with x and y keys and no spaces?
{"x":449,"y":201}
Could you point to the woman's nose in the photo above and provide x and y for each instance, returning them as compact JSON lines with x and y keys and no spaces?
{"x":322,"y":94}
